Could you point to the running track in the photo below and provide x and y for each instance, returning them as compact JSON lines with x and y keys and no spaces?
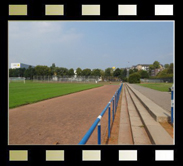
{"x":62,"y":120}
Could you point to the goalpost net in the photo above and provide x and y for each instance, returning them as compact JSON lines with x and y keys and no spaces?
{"x":17,"y":79}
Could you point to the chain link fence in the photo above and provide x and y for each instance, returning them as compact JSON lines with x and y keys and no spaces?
{"x":82,"y":79}
{"x":160,"y":80}
{"x":17,"y":79}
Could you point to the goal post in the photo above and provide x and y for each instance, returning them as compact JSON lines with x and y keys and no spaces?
{"x":17,"y":79}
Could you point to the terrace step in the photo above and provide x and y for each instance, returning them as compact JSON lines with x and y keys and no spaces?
{"x":157,"y":112}
{"x":125,"y":135}
{"x":140,"y":137}
{"x":155,"y":131}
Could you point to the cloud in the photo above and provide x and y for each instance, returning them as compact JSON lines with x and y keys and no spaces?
{"x":69,"y":38}
{"x":43,"y":27}
{"x":41,"y":40}
{"x":46,"y":31}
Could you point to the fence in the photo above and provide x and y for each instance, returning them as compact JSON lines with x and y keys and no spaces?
{"x":172,"y":103}
{"x":17,"y":79}
{"x":170,"y":80}
{"x":82,"y":79}
{"x":114,"y":104}
{"x":110,"y":78}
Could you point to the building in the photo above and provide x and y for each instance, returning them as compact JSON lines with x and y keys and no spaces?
{"x":145,"y":67}
{"x":20,"y":65}
{"x":154,"y":72}
{"x":133,"y":67}
{"x":142,"y":67}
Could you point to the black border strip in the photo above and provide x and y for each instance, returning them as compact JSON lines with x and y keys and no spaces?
{"x":73,"y":153}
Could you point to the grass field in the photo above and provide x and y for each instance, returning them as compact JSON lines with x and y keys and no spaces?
{"x":164,"y":87}
{"x":31,"y":92}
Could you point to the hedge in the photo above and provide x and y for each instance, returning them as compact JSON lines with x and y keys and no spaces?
{"x":134,"y":78}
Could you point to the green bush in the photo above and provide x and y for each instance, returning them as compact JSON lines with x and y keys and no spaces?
{"x":164,"y":74}
{"x":134,"y":78}
{"x":143,"y":74}
{"x":124,"y":79}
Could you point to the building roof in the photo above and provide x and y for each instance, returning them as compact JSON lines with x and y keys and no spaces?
{"x":144,"y":64}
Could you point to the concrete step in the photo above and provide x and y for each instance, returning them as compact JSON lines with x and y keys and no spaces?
{"x":158,"y":113}
{"x":139,"y":135}
{"x":125,"y":136}
{"x":157,"y":134}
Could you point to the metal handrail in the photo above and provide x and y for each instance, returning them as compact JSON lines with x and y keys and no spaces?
{"x":97,"y":121}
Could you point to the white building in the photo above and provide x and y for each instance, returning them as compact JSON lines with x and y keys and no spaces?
{"x":20,"y":65}
{"x":75,"y":74}
{"x":141,"y":67}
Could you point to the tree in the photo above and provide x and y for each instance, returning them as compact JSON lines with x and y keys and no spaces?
{"x":21,"y":72}
{"x":124,"y":73}
{"x":134,"y":78}
{"x":135,"y":70}
{"x":166,"y":73}
{"x":42,"y":70}
{"x":11,"y":73}
{"x":162,"y":74}
{"x":18,"y":72}
{"x":79,"y":71}
{"x":151,"y":67}
{"x":53,"y":69}
{"x":166,"y":66}
{"x":96,"y":72}
{"x":102,"y":73}
{"x":86,"y":72}
{"x":131,"y":71}
{"x":156,"y":65}
{"x":61,"y":71}
{"x":117,"y":73}
{"x":108,"y":72}
{"x":71,"y":72}
{"x":143,"y":74}
{"x":53,"y":65}
{"x":29,"y":73}
{"x":170,"y":69}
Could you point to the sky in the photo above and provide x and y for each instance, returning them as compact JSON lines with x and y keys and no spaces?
{"x":90,"y":44}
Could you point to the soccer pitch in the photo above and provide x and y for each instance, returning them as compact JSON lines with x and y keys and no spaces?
{"x":31,"y":92}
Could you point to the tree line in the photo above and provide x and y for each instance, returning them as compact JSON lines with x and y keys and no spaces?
{"x":108,"y":73}
{"x":135,"y":75}
{"x":40,"y":70}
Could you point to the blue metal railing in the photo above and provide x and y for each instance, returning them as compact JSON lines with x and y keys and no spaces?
{"x":114,"y":102}
{"x":172,"y":103}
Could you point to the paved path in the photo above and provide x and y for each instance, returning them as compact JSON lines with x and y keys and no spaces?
{"x":63,"y":119}
{"x":163,"y":99}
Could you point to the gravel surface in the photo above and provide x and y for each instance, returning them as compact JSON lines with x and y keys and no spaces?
{"x":163,"y":99}
{"x":60,"y":120}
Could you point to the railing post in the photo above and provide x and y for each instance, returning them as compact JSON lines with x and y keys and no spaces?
{"x":113,"y":109}
{"x":109,"y":117}
{"x":115,"y":102}
{"x":117,"y":98}
{"x":99,"y":133}
{"x":172,"y":103}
